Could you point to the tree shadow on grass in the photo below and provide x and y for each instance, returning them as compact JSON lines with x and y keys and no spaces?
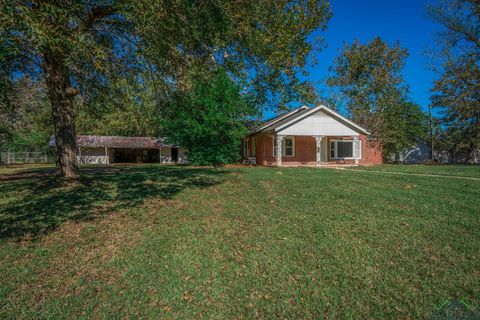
{"x":33,"y":205}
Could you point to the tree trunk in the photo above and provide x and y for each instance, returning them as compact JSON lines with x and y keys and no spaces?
{"x":61,"y":93}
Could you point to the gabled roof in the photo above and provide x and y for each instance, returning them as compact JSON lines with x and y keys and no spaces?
{"x":287,"y":119}
{"x":277,"y":119}
{"x":118,"y":142}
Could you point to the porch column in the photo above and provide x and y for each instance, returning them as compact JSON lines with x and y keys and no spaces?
{"x":318,"y":143}
{"x":107,"y":160}
{"x":356,"y":149}
{"x":279,"y":150}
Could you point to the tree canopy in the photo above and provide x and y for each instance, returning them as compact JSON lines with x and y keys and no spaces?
{"x":25,"y":117}
{"x":369,"y":76}
{"x":457,"y":91}
{"x":210,"y":120}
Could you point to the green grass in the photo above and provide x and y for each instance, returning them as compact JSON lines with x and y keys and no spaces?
{"x":448,"y":170}
{"x":182,"y":243}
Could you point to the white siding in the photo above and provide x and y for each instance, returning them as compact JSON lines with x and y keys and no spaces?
{"x":319,"y":124}
{"x":92,"y":155}
{"x":91,"y":151}
{"x":92,"y":159}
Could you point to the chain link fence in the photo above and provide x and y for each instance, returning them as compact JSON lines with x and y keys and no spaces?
{"x":16,"y":157}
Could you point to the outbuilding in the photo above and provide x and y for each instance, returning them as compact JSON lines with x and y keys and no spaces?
{"x":117,"y":149}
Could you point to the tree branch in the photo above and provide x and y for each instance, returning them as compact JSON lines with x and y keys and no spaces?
{"x":98,"y":12}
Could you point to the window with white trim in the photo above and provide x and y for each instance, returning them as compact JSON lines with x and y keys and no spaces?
{"x":341,"y":149}
{"x":288,"y":147}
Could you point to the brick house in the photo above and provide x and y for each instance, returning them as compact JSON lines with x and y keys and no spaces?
{"x":310,"y":136}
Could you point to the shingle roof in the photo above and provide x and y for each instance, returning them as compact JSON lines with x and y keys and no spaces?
{"x":285,"y":119}
{"x":297,"y":115}
{"x":280,"y":118}
{"x":119,"y":142}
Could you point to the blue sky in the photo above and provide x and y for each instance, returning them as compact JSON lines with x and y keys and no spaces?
{"x":406,"y":21}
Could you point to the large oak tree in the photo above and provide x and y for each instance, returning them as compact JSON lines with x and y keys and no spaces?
{"x":59,"y":41}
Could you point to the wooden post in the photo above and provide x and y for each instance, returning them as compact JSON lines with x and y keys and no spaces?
{"x":107,"y":160}
{"x":279,"y":150}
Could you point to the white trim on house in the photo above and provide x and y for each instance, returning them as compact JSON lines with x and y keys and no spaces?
{"x":284,"y":147}
{"x":326,"y":110}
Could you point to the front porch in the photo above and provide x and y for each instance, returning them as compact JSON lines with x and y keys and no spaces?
{"x":301,"y":150}
{"x":328,"y":150}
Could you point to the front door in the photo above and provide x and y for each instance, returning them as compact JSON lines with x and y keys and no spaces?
{"x":174,"y":154}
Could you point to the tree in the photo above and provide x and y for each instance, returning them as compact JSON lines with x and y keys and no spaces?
{"x":369,"y":76}
{"x":129,"y":108}
{"x":403,"y":125}
{"x":457,"y":91}
{"x":78,"y":46}
{"x":26,"y":116}
{"x":210,"y":119}
{"x":57,"y":40}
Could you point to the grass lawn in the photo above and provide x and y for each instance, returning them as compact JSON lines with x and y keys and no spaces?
{"x":446,"y":170}
{"x":189,"y":243}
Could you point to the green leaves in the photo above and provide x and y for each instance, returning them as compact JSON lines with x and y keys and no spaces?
{"x":209,"y":120}
{"x":370,"y":76}
{"x":262,"y":43}
{"x":457,"y":91}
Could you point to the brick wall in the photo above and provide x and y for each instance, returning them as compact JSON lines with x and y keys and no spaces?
{"x":371,"y":152}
